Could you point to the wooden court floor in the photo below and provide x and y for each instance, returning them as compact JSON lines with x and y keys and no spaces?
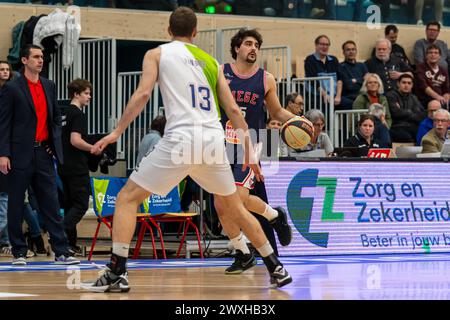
{"x":204,"y":283}
{"x":351,"y":277}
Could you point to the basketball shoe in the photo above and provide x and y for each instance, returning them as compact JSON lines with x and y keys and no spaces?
{"x":108,"y":282}
{"x":280,"y":277}
{"x":282,"y":228}
{"x":241,"y":262}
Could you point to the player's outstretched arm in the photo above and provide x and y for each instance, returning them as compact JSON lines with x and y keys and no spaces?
{"x":233,"y":112}
{"x":137,"y":101}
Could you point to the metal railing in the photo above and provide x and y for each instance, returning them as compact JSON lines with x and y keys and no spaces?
{"x":345,"y":124}
{"x":277,"y":61}
{"x":216,"y":42}
{"x":128,"y":144}
{"x":314,"y":91}
{"x":95,"y":61}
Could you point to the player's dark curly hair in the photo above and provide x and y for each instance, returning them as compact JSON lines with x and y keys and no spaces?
{"x":239,"y":37}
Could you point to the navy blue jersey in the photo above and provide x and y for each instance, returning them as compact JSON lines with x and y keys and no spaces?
{"x":248,"y":92}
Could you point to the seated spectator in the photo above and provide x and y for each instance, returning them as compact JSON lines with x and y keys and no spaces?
{"x":388,"y":67}
{"x":372,"y":92}
{"x":150,"y":140}
{"x":321,"y":64}
{"x":294,"y":103}
{"x":391,"y":33}
{"x":280,"y":148}
{"x":363,"y":139}
{"x":427,"y":123}
{"x":319,"y":140}
{"x":381,"y":132}
{"x":432,"y":79}
{"x":352,"y":75}
{"x":438,"y":9}
{"x":406,"y":111}
{"x":434,"y":140}
{"x":420,"y":47}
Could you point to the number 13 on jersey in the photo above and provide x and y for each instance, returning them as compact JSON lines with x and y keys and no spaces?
{"x":201,"y":97}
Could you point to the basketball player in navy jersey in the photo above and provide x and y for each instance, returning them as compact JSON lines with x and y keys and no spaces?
{"x":252,"y":88}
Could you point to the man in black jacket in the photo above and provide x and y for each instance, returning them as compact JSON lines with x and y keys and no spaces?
{"x":406,"y":111}
{"x":30,"y":134}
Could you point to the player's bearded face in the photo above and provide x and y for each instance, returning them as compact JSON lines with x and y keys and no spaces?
{"x":251,"y":57}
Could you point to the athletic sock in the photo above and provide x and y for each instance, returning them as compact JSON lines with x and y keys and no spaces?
{"x":270,"y":259}
{"x":240,"y":244}
{"x":119,"y":257}
{"x":270,"y":213}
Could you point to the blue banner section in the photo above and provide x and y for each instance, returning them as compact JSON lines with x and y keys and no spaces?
{"x":106,"y":189}
{"x":169,"y":203}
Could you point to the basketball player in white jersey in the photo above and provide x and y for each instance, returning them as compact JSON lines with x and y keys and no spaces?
{"x":191,"y":84}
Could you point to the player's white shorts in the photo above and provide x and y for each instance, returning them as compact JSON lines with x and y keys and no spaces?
{"x":159,"y":173}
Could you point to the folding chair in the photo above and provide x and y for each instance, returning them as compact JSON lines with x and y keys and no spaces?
{"x":168,"y":211}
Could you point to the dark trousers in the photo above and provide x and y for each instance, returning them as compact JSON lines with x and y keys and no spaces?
{"x":41,"y":176}
{"x":76,"y":201}
{"x":259,"y":190}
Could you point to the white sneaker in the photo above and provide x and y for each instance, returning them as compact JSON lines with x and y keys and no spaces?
{"x":420,"y":23}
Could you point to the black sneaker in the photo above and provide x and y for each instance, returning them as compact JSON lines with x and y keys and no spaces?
{"x":109,"y":282}
{"x":282,"y":228}
{"x":76,"y":251}
{"x":280,"y":277}
{"x":241,"y":262}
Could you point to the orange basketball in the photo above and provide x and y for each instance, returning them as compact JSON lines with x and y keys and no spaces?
{"x":297,"y":132}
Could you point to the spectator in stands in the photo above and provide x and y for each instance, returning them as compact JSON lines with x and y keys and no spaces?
{"x":273,"y":124}
{"x":352,"y":75}
{"x":432,"y":78}
{"x":321,"y":64}
{"x":427,"y":123}
{"x":434,"y":140}
{"x":388,"y":67}
{"x":281,"y":148}
{"x":6,"y":73}
{"x":319,"y":141}
{"x":381,"y":132}
{"x":372,"y":92}
{"x":391,"y":33}
{"x":420,"y":47}
{"x":438,"y":8}
{"x":364,"y":139}
{"x":74,"y":172}
{"x":406,"y":110}
{"x":150,"y":140}
{"x":294,"y":103}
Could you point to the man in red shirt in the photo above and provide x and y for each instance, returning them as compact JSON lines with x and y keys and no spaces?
{"x":30,"y":135}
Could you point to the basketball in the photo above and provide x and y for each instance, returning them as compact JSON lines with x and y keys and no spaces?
{"x":297,"y":132}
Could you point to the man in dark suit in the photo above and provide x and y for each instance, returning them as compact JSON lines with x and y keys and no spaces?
{"x":30,"y":134}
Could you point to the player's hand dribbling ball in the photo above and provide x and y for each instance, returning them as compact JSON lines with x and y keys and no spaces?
{"x":297,"y":132}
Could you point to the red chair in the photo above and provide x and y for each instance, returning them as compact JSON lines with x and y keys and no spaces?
{"x":185,"y":219}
